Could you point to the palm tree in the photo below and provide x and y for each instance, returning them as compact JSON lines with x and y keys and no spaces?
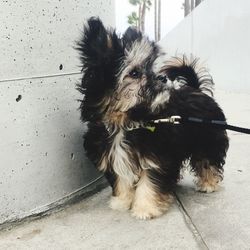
{"x":159,"y":21}
{"x":189,"y":5}
{"x":133,"y":19}
{"x":192,"y":5}
{"x":197,"y":2}
{"x":138,"y":20}
{"x":155,"y":19}
{"x":186,"y":7}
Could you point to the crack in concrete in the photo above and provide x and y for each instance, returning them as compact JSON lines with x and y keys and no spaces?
{"x":191,"y":225}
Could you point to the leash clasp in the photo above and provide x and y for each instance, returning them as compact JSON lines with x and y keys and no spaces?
{"x":174,"y":119}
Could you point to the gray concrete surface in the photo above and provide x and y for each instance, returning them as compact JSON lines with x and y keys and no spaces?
{"x":91,"y":224}
{"x":37,"y":37}
{"x":219,"y":220}
{"x":223,"y":217}
{"x":42,"y":159}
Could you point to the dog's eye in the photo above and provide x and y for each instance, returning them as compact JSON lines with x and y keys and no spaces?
{"x":135,"y":73}
{"x":162,"y":78}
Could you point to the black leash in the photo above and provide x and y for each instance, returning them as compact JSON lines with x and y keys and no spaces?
{"x":193,"y":120}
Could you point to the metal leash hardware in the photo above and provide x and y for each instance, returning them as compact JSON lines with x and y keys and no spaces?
{"x":134,"y":126}
{"x":174,"y":119}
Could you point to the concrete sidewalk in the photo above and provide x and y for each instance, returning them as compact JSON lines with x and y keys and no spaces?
{"x":219,"y":220}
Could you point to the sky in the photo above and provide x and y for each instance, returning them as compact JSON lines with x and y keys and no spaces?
{"x":171,"y":14}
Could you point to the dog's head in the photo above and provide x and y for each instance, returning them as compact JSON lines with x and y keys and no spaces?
{"x":119,"y":73}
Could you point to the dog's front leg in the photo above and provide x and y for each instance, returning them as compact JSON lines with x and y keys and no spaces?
{"x":149,"y":202}
{"x":123,"y":195}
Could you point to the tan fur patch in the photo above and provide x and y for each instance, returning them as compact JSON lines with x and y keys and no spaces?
{"x":117,"y":118}
{"x":109,"y":42}
{"x":127,"y":93}
{"x":139,"y":52}
{"x":123,"y":195}
{"x":148,"y":203}
{"x":103,"y":104}
{"x":208,"y":178}
{"x":103,"y":164}
{"x":147,"y":163}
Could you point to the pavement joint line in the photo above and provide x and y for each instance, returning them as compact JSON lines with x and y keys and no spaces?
{"x":39,"y":77}
{"x":191,"y":225}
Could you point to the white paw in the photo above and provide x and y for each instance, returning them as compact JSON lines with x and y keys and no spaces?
{"x":143,"y":215}
{"x":117,"y":203}
{"x":146,"y":213}
{"x":207,"y":187}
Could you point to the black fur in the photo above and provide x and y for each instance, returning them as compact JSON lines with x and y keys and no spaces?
{"x":182,"y":69}
{"x":130,"y":36}
{"x":175,"y":143}
{"x":101,"y":64}
{"x":103,"y":54}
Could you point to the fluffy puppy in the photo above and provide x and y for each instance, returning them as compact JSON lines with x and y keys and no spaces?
{"x":123,"y":88}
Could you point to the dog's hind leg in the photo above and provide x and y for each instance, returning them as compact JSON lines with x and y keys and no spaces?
{"x":149,"y":202}
{"x":208,"y":176}
{"x":208,"y":159}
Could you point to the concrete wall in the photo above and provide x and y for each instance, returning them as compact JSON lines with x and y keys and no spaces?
{"x":41,"y":152}
{"x":218,"y":33}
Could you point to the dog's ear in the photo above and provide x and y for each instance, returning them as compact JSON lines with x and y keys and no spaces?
{"x":98,"y":45}
{"x":130,"y":36}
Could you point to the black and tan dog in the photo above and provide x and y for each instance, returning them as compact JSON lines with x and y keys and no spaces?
{"x":123,"y":87}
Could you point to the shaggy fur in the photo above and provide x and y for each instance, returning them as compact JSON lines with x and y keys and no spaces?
{"x":122,"y":88}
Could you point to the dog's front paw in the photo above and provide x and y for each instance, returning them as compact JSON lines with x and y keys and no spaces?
{"x":120,"y":204}
{"x":147,"y":212}
{"x":145,"y":215}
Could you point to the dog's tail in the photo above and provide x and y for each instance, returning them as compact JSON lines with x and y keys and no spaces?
{"x":189,"y":73}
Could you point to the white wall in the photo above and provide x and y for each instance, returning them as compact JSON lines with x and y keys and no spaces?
{"x":41,"y":153}
{"x":218,"y":33}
